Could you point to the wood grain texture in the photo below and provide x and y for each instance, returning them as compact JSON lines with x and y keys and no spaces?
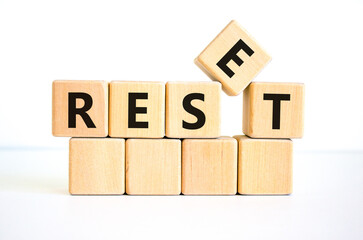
{"x":98,"y":90}
{"x":119,"y":109}
{"x":96,"y":166}
{"x":176,"y":114}
{"x":153,"y":166}
{"x":209,"y":166}
{"x":258,"y":113}
{"x":243,"y":75}
{"x":264,"y":166}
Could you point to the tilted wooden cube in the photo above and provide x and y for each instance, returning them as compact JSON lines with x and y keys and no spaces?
{"x":80,"y":108}
{"x":96,"y":166}
{"x":264,"y":166}
{"x":233,"y":58}
{"x":137,"y":109}
{"x":273,"y":110}
{"x":153,"y":166}
{"x":209,"y":166}
{"x":193,"y":109}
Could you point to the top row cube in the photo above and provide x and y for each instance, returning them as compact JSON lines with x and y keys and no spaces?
{"x":233,"y":44}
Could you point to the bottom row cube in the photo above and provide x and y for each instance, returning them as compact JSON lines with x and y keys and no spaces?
{"x":222,"y":166}
{"x":153,"y":166}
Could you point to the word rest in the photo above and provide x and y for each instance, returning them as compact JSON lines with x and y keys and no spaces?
{"x":187,"y":109}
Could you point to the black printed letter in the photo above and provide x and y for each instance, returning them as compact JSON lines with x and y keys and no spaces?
{"x":133,"y":110}
{"x":195,"y":111}
{"x":232,"y":55}
{"x":276,"y":106}
{"x":73,"y":110}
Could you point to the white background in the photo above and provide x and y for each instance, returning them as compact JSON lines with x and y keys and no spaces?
{"x":315,"y":42}
{"x":318,"y":43}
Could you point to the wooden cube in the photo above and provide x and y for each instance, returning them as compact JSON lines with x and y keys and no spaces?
{"x":273,"y":110}
{"x":193,"y":109}
{"x":233,"y":58}
{"x":137,"y":109}
{"x":264,"y":166}
{"x":96,"y":166}
{"x":209,"y":166}
{"x":80,"y":109}
{"x":153,"y":166}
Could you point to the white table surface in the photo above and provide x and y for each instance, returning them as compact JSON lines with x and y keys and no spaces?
{"x":327,"y":203}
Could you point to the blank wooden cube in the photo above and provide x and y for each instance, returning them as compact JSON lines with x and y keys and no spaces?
{"x":96,"y":166}
{"x":80,"y":108}
{"x":209,"y":166}
{"x":273,"y":110}
{"x":153,"y":166}
{"x":264,"y":166}
{"x":137,"y":109}
{"x":193,"y":109}
{"x":233,"y":58}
